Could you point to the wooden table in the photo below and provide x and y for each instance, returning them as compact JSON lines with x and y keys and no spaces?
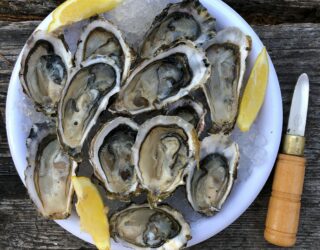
{"x":290,"y":29}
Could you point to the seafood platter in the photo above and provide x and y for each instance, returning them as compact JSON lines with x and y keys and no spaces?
{"x":143,"y":121}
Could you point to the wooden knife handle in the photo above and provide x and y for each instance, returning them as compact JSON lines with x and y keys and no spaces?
{"x":284,"y":205}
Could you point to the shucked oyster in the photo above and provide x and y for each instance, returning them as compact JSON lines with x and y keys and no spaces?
{"x":111,"y":156}
{"x":209,"y":186}
{"x":227,"y":54}
{"x":44,"y":70}
{"x":163,"y":79}
{"x":100,"y":37}
{"x":49,"y":171}
{"x":187,"y":20}
{"x":85,"y":96}
{"x":140,"y":227}
{"x":165,"y":148}
{"x":189,"y":110}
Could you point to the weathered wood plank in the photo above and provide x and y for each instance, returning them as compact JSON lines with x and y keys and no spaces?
{"x":254,"y":11}
{"x":23,"y":10}
{"x":294,"y":48}
{"x":12,"y":38}
{"x":22,"y":228}
{"x":12,"y":187}
{"x":22,"y":225}
{"x":277,"y":11}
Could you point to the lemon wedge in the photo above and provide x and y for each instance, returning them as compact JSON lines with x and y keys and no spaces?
{"x":76,"y":10}
{"x":90,"y":208}
{"x":254,"y":92}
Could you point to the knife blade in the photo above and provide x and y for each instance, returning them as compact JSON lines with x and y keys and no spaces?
{"x":299,"y":107}
{"x":294,"y":140}
{"x":285,"y":201}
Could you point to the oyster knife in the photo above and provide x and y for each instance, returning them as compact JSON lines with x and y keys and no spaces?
{"x":299,"y":107}
{"x":284,"y":205}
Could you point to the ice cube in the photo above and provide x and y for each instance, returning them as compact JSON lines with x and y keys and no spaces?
{"x":32,"y":116}
{"x":72,"y":34}
{"x":252,"y":151}
{"x":134,"y":17}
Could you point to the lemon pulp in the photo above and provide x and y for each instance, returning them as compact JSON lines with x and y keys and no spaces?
{"x":254,"y":93}
{"x":92,"y":213}
{"x":76,"y":10}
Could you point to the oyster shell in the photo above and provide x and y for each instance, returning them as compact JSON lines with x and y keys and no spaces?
{"x":189,"y":110}
{"x":49,"y":171}
{"x":141,"y":227}
{"x":44,"y":70}
{"x":165,"y":149}
{"x":163,"y":79}
{"x":227,"y":54}
{"x":209,"y":186}
{"x":111,"y":156}
{"x":85,"y":96}
{"x":186,"y":20}
{"x":100,"y":37}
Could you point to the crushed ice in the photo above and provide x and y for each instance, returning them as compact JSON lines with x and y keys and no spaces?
{"x":134,"y":17}
{"x":252,"y":152}
{"x":26,"y":107}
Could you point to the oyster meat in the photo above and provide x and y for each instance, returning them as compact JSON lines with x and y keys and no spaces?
{"x":137,"y":119}
{"x":100,"y":37}
{"x":190,"y":110}
{"x":227,"y":54}
{"x":209,"y":186}
{"x":111,"y":156}
{"x":85,"y":96}
{"x":163,"y":79}
{"x":187,"y":20}
{"x":141,"y":227}
{"x":165,"y":149}
{"x":44,"y":70}
{"x":49,"y":171}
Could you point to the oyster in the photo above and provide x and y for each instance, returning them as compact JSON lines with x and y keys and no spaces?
{"x":165,"y":149}
{"x":163,"y":79}
{"x":190,"y":110}
{"x":44,"y":70}
{"x":85,"y":96}
{"x":100,"y":37}
{"x":111,"y":156}
{"x":187,"y":20}
{"x":227,"y":54}
{"x":49,"y":171}
{"x":141,"y":227}
{"x":209,"y":186}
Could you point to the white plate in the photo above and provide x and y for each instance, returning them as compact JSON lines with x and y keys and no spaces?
{"x":260,"y":144}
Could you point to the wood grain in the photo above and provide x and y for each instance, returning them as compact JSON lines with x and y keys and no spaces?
{"x":277,"y":11}
{"x":23,"y":10}
{"x":294,"y":48}
{"x":282,"y":220}
{"x":254,"y":11}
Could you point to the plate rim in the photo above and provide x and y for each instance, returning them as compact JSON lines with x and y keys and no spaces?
{"x":207,"y":233}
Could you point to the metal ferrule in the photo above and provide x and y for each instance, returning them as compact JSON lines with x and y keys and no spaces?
{"x":293,"y":145}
